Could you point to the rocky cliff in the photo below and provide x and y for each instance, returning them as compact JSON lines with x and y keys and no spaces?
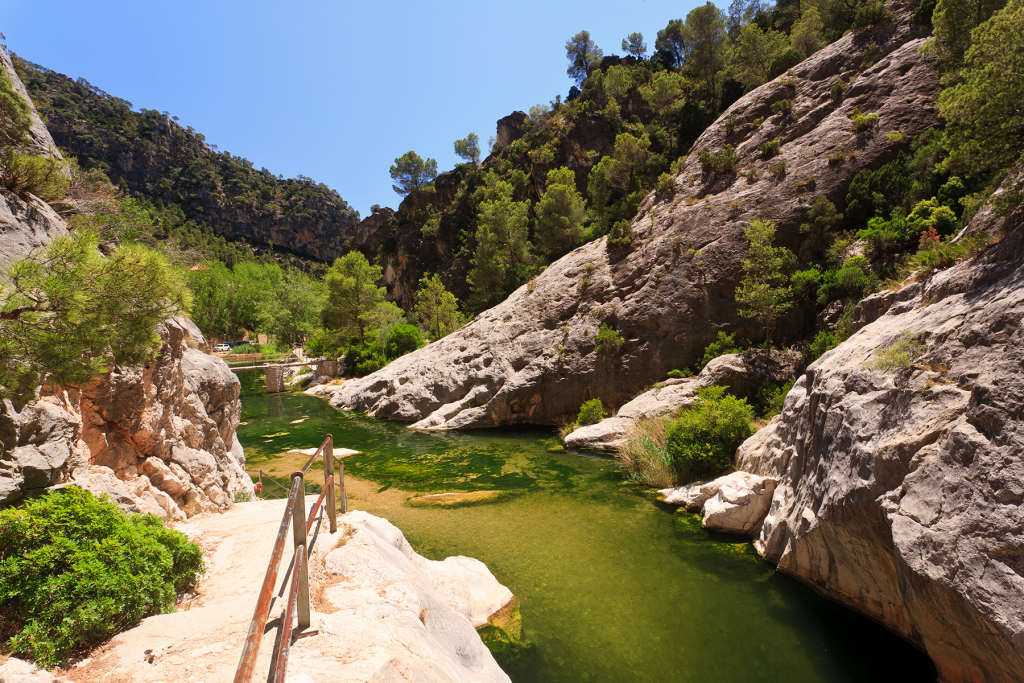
{"x":158,"y":438}
{"x":900,"y":493}
{"x":532,"y":358}
{"x":156,"y":158}
{"x":25,"y":225}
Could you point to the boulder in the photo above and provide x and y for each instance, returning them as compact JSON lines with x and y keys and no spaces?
{"x":532,"y":358}
{"x":157,"y":438}
{"x":740,"y":504}
{"x":901,"y":492}
{"x":735,"y":503}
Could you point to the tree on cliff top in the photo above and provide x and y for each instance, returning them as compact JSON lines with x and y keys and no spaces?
{"x":469,"y":148}
{"x":583,"y":54}
{"x":634,"y":44}
{"x":412,"y":173}
{"x":68,"y":312}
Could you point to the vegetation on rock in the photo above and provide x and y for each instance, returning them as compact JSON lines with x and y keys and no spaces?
{"x":75,"y":570}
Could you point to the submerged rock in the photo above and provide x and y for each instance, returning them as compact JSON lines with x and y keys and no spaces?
{"x":901,"y":492}
{"x":532,"y":358}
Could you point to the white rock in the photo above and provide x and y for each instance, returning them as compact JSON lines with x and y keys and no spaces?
{"x":740,"y":505}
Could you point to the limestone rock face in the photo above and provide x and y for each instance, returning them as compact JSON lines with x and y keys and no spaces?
{"x":371,"y":232}
{"x":742,"y":373}
{"x":532,"y":359}
{"x":901,"y":493}
{"x":510,"y":128}
{"x":41,"y":142}
{"x":158,"y":438}
{"x":25,"y":225}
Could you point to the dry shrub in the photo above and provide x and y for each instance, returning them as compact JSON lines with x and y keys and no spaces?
{"x":643,"y":455}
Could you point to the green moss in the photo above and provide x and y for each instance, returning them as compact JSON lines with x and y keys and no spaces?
{"x":503,"y":634}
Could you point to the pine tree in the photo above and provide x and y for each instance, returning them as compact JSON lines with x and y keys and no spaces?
{"x":764,"y":292}
{"x":560,"y":213}
{"x":438,"y":309}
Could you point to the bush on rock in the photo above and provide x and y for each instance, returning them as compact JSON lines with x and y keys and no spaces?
{"x":75,"y":570}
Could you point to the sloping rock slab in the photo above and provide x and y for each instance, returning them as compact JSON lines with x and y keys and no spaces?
{"x":381,"y":612}
{"x":901,"y":493}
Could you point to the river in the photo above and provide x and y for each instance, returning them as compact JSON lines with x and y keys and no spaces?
{"x":614,"y":586}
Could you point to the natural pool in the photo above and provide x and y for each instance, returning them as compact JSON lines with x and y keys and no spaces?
{"x":614,"y":587}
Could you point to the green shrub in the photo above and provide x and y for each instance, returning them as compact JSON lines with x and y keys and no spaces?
{"x":869,"y":13}
{"x":782,"y":107}
{"x":899,"y":354}
{"x":244,"y":348}
{"x":403,"y":339}
{"x":364,"y":358}
{"x":75,"y":570}
{"x":862,"y":122}
{"x":680,"y":374}
{"x":719,"y":163}
{"x":854,"y":280}
{"x":837,"y":89}
{"x":771,"y":398}
{"x":621,"y":234}
{"x":826,"y":340}
{"x":24,"y":174}
{"x":666,"y":185}
{"x":778,"y":169}
{"x":896,"y":138}
{"x":770,"y":148}
{"x":609,"y":342}
{"x":723,"y":345}
{"x":591,"y":412}
{"x":730,"y":125}
{"x":704,"y":439}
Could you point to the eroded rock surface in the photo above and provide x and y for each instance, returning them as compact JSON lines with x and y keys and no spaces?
{"x":158,"y":438}
{"x":381,"y":612}
{"x":744,"y":374}
{"x":900,"y":493}
{"x":532,"y":358}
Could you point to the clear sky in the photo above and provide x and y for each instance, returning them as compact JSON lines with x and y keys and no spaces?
{"x":331,"y":90}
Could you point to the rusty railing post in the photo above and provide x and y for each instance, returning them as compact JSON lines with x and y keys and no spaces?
{"x":299,"y":536}
{"x":332,"y":505}
{"x":341,"y":481}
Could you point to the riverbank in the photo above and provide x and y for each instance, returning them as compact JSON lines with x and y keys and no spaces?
{"x":379,"y":609}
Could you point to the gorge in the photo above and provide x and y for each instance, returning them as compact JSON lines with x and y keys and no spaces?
{"x":876,"y":508}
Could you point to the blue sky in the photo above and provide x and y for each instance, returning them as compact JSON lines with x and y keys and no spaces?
{"x":331,"y":90}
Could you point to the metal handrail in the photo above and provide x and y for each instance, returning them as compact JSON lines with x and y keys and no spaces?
{"x":298,"y":595}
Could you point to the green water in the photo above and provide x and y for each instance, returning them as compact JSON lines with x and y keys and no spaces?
{"x":614,"y":586}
